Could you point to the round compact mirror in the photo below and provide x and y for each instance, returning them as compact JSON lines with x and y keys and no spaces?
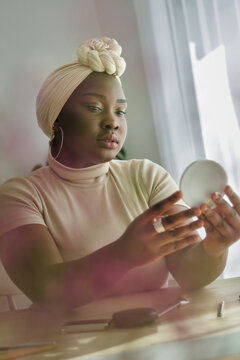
{"x":200,"y":179}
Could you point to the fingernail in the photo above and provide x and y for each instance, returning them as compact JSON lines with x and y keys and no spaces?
{"x":177,"y":194}
{"x":197,"y":211}
{"x":210,"y":203}
{"x":228,"y":189}
{"x":195,"y":238}
{"x":174,"y":197}
{"x":203,"y":207}
{"x":216,"y":196}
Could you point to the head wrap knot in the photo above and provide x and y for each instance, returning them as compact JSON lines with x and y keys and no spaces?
{"x":100,"y":55}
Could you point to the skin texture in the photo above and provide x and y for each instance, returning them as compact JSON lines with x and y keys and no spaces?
{"x":36,"y":265}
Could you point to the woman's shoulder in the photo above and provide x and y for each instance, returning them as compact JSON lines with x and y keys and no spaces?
{"x":141,"y":166}
{"x":23,"y":183}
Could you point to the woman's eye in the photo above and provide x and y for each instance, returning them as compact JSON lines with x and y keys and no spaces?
{"x":94,"y":108}
{"x":121,"y":112}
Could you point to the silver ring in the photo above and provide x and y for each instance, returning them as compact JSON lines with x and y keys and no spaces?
{"x":158,"y":225}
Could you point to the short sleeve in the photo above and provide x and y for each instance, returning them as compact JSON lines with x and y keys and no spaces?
{"x":20,"y":204}
{"x":158,"y":182}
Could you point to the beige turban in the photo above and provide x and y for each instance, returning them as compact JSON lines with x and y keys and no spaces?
{"x":100,"y":55}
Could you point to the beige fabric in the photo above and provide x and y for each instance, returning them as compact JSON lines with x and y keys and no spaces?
{"x":100,"y":55}
{"x":85,"y":209}
{"x":55,"y":91}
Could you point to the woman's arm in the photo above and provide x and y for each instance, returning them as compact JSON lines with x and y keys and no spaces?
{"x":193,"y":268}
{"x":34,"y":263}
{"x":202,"y":263}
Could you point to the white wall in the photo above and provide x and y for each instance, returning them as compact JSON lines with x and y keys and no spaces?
{"x":38,"y":36}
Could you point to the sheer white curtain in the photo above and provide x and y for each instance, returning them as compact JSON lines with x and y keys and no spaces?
{"x":191,"y":51}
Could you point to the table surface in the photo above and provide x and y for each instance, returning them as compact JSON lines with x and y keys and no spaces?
{"x":189,"y":332}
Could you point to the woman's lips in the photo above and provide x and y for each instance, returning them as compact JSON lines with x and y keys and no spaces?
{"x":108,"y":141}
{"x":108,"y":144}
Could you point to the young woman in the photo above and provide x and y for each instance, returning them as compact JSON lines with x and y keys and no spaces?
{"x":85,"y":226}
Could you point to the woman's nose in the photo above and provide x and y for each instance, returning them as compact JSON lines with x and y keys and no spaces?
{"x":111,"y":126}
{"x":110,"y":122}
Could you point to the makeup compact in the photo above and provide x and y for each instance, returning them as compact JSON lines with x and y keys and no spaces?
{"x":200,"y":179}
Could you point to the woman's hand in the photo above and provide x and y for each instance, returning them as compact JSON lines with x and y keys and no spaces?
{"x":222,"y":224}
{"x":141,"y":243}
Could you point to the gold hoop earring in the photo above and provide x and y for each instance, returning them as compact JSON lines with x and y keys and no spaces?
{"x":61,"y":145}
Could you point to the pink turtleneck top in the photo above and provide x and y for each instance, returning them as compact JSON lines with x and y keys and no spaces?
{"x":85,"y":209}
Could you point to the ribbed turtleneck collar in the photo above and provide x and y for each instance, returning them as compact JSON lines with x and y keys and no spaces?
{"x":88,"y":175}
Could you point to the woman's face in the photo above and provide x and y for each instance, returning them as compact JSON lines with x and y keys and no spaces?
{"x":93,"y":122}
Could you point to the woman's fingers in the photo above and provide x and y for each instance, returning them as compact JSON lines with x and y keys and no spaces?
{"x":226,"y":211}
{"x":158,"y":210}
{"x":234,"y":198}
{"x":177,"y":234}
{"x":216,"y":240}
{"x":172,"y":221}
{"x":161,"y":207}
{"x":141,"y":243}
{"x":214,"y":222}
{"x":222,"y":224}
{"x":178,"y":245}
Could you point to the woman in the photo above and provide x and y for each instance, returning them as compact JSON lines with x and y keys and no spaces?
{"x":86,"y":225}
